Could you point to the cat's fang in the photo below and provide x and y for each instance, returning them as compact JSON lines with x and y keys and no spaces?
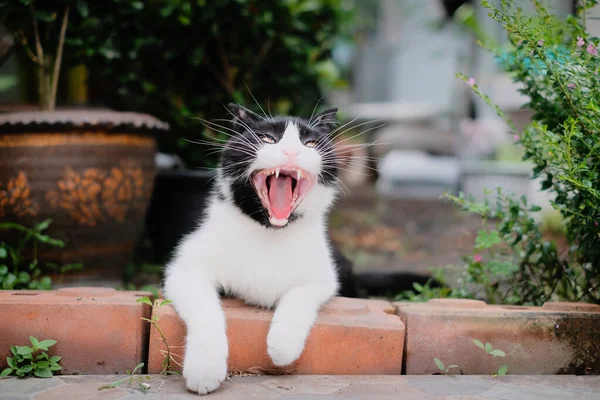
{"x":277,"y":172}
{"x":299,"y":172}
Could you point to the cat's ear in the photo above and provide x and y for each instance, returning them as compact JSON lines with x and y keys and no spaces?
{"x":325,"y":120}
{"x":242,"y":114}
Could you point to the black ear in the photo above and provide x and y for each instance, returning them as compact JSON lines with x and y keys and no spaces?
{"x":325,"y":119}
{"x":243,"y":114}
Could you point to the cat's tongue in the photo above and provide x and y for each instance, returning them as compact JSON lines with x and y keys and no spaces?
{"x":280,"y":196}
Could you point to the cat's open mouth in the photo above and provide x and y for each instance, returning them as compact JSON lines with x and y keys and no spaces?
{"x":281,"y":190}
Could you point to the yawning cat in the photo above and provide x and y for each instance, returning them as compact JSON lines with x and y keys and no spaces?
{"x":262,"y":239}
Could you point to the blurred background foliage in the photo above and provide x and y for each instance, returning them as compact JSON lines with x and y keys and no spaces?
{"x":181,"y":59}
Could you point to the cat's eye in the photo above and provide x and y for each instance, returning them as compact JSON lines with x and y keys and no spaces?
{"x":311,"y":144}
{"x":268,"y":139}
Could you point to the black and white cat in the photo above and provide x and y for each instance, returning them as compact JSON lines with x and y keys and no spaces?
{"x":263,"y":239}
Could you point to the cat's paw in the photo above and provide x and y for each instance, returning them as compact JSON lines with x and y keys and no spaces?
{"x":284,"y":344}
{"x":204,"y":371}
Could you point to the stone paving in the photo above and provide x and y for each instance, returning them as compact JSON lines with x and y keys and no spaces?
{"x":309,"y":387}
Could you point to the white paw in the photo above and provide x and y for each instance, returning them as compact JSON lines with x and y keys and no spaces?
{"x":284,"y":344}
{"x":204,"y":369}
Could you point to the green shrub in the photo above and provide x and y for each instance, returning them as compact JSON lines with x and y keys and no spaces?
{"x":183,"y":59}
{"x":557,"y":64}
{"x":19,"y":264}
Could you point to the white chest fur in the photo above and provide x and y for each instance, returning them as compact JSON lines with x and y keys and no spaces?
{"x":255,"y":263}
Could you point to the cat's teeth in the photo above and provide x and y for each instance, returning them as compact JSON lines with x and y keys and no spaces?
{"x":299,"y":174}
{"x":276,"y":172}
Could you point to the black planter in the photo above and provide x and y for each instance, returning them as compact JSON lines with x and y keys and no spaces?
{"x":177,"y":204}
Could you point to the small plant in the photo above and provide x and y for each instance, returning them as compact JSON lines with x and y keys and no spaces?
{"x":154,"y":321}
{"x":142,"y":380}
{"x":19,"y":264}
{"x":143,"y":386}
{"x":443,"y":369}
{"x":32,"y":360}
{"x":503,"y":370}
{"x":426,"y":292}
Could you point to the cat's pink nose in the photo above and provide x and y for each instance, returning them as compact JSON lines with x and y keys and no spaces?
{"x":291,"y":152}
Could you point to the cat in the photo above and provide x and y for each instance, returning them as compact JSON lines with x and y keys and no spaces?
{"x":262,"y":239}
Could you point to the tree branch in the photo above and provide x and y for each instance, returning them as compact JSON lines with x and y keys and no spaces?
{"x":41,"y":61}
{"x":57,"y":61}
{"x":25,"y":45}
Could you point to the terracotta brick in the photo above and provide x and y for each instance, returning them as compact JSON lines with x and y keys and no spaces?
{"x":99,"y":330}
{"x":350,"y":337}
{"x":554,"y":339}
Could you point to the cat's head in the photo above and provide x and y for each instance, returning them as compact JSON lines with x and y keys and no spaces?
{"x":279,"y":169}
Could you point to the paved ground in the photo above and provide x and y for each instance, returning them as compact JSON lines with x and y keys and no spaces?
{"x":317,"y":388}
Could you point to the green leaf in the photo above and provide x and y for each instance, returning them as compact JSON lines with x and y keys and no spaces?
{"x":55,"y":367}
{"x":25,"y":369}
{"x":44,"y":344}
{"x":144,"y":300}
{"x":42,"y":226}
{"x":478,"y":343}
{"x":24,"y":350}
{"x":486,"y":240}
{"x":439,"y":364}
{"x":42,"y":365}
{"x":140,"y":365}
{"x":13,"y":349}
{"x":43,"y":373}
{"x":42,"y":356}
{"x":83,"y":9}
{"x":3,"y":252}
{"x":165,"y":302}
{"x":171,"y":373}
{"x":498,"y":353}
{"x":44,"y":16}
{"x":11,"y":362}
{"x":34,"y":341}
{"x":488,"y":347}
{"x":502,"y":370}
{"x":114,"y":384}
{"x":55,"y":359}
{"x":6,"y":372}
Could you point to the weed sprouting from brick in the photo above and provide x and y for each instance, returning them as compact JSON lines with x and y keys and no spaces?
{"x":488,"y":348}
{"x":32,"y":360}
{"x":142,"y":380}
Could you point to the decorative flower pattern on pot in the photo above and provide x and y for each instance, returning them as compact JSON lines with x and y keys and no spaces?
{"x":17,"y":197}
{"x":94,"y":195}
{"x":77,"y":194}
{"x":122,"y":186}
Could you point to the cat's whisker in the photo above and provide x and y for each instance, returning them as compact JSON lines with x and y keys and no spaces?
{"x":364,"y":146}
{"x":257,"y":103}
{"x":338,"y":182}
{"x":235,"y":133}
{"x":242,"y":123}
{"x":341,"y":127}
{"x":360,"y":133}
{"x":227,"y":134}
{"x":310,"y":121}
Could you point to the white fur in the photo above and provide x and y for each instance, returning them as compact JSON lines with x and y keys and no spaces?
{"x":274,"y":155}
{"x":291,"y":268}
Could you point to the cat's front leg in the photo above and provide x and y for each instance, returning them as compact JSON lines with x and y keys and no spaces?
{"x":293,"y":318}
{"x":197,"y":303}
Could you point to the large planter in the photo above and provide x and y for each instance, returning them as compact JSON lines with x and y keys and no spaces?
{"x":90,"y":171}
{"x":177,"y":204}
